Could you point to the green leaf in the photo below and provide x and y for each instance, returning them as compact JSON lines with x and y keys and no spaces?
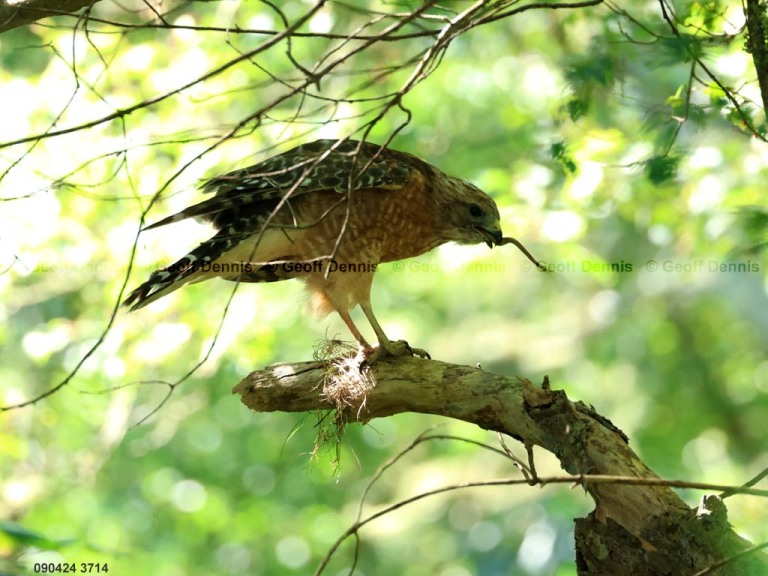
{"x":576,"y":108}
{"x":25,"y":537}
{"x":660,"y":169}
{"x":591,"y":68}
{"x":558,"y":152}
{"x":23,"y":52}
{"x":676,"y":99}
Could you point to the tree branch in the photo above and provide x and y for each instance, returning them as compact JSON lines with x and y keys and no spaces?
{"x":25,"y":12}
{"x":757,"y":43}
{"x":638,"y":518}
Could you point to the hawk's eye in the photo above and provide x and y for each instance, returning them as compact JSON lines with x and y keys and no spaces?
{"x":475,"y":211}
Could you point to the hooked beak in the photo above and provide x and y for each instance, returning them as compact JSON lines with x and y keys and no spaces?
{"x":492,"y":234}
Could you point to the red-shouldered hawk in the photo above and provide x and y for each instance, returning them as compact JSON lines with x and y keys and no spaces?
{"x":328,"y":213}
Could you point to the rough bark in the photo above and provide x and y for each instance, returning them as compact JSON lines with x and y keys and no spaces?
{"x":633,"y":530}
{"x":757,"y":43}
{"x":25,"y":12}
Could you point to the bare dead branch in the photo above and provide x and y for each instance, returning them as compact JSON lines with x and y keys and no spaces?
{"x":629,"y":498}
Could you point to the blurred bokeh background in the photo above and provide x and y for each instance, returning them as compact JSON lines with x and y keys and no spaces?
{"x":612,"y":154}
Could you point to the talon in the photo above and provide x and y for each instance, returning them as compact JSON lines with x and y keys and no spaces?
{"x":366,"y":356}
{"x":421,"y":353}
{"x":402,"y":348}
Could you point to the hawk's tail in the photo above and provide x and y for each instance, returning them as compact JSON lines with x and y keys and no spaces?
{"x":160,"y":283}
{"x":191,"y":268}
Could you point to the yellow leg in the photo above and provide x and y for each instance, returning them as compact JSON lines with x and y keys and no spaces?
{"x":399,"y":348}
{"x":353,"y":329}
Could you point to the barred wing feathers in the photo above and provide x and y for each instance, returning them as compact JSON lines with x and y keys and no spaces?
{"x":314,"y":166}
{"x":246,"y":199}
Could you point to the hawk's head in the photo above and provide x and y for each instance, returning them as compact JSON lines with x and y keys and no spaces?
{"x":468,"y":215}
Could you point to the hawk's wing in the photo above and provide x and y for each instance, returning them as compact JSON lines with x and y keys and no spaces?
{"x":256,"y":190}
{"x":245,"y":199}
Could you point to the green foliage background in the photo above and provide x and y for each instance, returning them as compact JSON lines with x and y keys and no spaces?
{"x":610,"y":154}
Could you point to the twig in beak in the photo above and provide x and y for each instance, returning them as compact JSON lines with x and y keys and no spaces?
{"x":522,"y":249}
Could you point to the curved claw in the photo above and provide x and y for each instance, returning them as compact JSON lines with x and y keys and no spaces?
{"x":421,"y":353}
{"x":402,"y":348}
{"x":398,"y":348}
